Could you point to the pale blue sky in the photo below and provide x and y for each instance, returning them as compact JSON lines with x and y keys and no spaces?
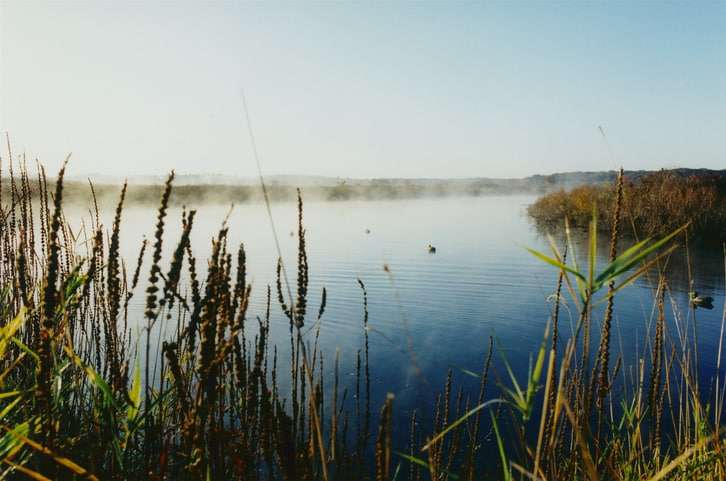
{"x":365,"y":89}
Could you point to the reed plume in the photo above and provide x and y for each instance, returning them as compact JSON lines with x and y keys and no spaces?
{"x":604,"y":349}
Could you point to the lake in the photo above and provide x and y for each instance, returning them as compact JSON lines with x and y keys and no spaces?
{"x":428,"y":313}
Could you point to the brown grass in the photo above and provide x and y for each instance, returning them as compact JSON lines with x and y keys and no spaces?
{"x":655,"y":204}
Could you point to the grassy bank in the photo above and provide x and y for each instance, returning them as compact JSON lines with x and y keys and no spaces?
{"x":655,"y":203}
{"x":82,"y":398}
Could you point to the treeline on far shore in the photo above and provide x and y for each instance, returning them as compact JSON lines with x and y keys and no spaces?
{"x":657,"y":200}
{"x":655,"y":203}
{"x":81,"y":192}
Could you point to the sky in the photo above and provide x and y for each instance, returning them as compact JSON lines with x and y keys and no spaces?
{"x":364,"y":89}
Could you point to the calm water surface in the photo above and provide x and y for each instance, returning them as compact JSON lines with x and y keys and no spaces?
{"x":430,"y":312}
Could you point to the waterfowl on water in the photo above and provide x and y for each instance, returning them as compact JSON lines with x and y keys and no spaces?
{"x":700,"y":301}
{"x":432,"y":249}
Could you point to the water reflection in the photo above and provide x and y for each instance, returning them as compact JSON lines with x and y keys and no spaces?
{"x":432,"y":313}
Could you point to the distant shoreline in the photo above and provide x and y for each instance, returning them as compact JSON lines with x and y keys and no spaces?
{"x":193,"y":190}
{"x":561,"y":179}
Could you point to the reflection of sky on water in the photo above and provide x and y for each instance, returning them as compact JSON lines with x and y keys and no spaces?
{"x":480,"y":283}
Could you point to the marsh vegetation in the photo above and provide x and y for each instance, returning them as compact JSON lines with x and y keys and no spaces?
{"x":203,"y":392}
{"x":654,"y":203}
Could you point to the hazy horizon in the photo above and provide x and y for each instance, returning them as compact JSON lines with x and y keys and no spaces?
{"x":254,"y":178}
{"x":425,"y":90}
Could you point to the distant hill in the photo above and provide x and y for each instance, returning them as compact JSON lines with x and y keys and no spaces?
{"x":572,"y":179}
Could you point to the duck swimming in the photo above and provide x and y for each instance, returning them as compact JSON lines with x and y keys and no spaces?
{"x":700,"y":301}
{"x":431,"y":249}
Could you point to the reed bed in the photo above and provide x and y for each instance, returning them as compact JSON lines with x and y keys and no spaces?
{"x":656,"y":203}
{"x":198,"y":395}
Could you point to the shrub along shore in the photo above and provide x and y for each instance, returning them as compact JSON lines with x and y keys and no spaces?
{"x":655,"y":203}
